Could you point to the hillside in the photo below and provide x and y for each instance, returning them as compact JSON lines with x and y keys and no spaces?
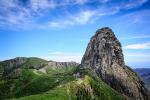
{"x":102,"y":75}
{"x":28,"y":82}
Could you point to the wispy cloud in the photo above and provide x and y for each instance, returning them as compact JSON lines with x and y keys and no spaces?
{"x":133,"y":4}
{"x":138,"y":46}
{"x":135,"y":37}
{"x":137,"y":57}
{"x":80,"y":18}
{"x":137,"y":54}
{"x":30,"y":13}
{"x":104,"y":1}
{"x":134,"y":18}
{"x":81,"y":1}
{"x":45,"y":4}
{"x":83,"y":17}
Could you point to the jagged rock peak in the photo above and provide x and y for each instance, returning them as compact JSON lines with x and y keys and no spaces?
{"x":104,"y":56}
{"x":103,"y":43}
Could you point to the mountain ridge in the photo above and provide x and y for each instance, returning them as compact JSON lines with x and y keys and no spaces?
{"x":56,"y":83}
{"x":101,"y":75}
{"x":14,"y":66}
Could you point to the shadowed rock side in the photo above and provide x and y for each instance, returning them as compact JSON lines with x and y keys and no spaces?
{"x":104,"y":56}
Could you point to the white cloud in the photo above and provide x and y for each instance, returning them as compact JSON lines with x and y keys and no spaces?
{"x":60,"y":23}
{"x":45,"y":4}
{"x":14,"y":13}
{"x":137,"y":57}
{"x":133,"y":4}
{"x":82,"y":17}
{"x":136,"y":37}
{"x":104,"y":1}
{"x":134,"y":18}
{"x":63,"y":57}
{"x":81,"y":1}
{"x":88,"y":16}
{"x":138,"y":46}
{"x":137,"y":60}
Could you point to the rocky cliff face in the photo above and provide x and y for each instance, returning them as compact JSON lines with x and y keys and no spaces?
{"x":104,"y":56}
{"x":55,"y":64}
{"x":11,"y":68}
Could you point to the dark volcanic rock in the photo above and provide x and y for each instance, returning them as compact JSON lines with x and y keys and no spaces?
{"x":104,"y":56}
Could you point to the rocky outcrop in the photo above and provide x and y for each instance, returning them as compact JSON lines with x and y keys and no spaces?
{"x":11,"y":68}
{"x":104,"y":56}
{"x":55,"y":64}
{"x":14,"y":63}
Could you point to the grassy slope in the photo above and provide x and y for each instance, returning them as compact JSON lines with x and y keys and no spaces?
{"x":76,"y":90}
{"x":57,"y":93}
{"x":32,"y":61}
{"x":31,"y":83}
{"x":58,"y":84}
{"x":85,"y":88}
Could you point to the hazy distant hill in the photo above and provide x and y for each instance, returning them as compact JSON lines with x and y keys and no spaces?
{"x":145,"y":74}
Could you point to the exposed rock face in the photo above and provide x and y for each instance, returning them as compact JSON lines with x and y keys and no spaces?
{"x":55,"y":64}
{"x":15,"y":63}
{"x":104,"y":56}
{"x":11,"y":68}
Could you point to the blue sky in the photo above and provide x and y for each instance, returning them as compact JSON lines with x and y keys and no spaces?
{"x":60,"y":29}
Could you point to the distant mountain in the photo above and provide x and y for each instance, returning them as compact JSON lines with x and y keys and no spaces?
{"x":142,"y":71}
{"x":145,"y":74}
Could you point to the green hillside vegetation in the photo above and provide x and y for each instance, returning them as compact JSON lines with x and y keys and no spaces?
{"x":56,"y":84}
{"x":79,"y":89}
{"x":30,"y":83}
{"x":33,"y":61}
